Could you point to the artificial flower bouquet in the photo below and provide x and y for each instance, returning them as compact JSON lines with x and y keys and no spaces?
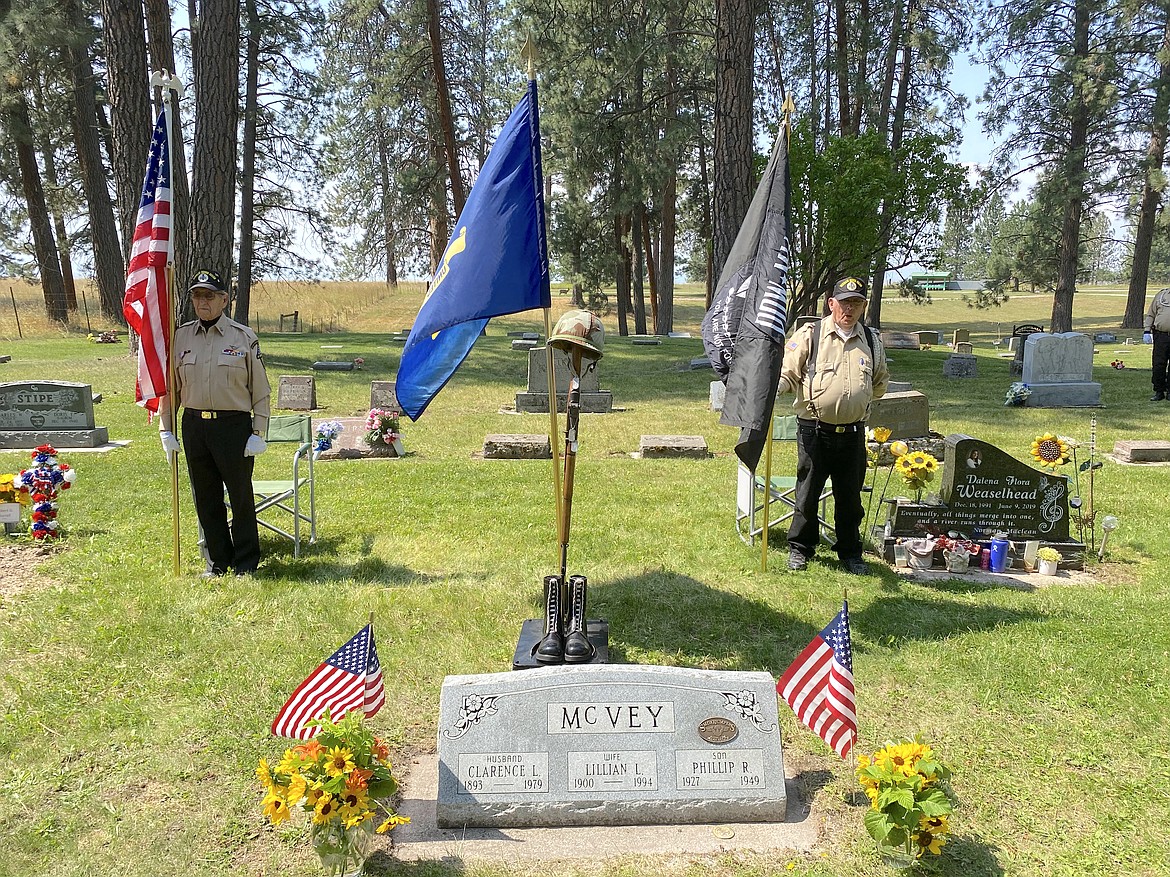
{"x":381,"y":427}
{"x":917,"y":469}
{"x":910,"y":798}
{"x":326,"y":435}
{"x":1017,"y":393}
{"x":43,"y":482}
{"x":340,"y":778}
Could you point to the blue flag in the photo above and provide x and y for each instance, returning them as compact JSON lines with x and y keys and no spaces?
{"x":495,"y":263}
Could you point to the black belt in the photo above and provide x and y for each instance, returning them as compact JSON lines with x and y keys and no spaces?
{"x":211,"y":415}
{"x":822,"y":426}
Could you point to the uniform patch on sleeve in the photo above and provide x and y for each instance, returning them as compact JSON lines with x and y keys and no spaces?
{"x":791,"y":345}
{"x":862,"y":362}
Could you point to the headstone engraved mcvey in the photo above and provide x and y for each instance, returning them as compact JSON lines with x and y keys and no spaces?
{"x":985,"y":491}
{"x":607,"y":744}
{"x":59,"y":413}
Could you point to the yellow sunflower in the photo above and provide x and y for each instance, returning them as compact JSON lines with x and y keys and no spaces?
{"x":326,"y":809}
{"x":391,"y":822}
{"x":297,"y":786}
{"x":929,"y":842}
{"x":934,"y":824}
{"x":263,"y":774}
{"x":1050,"y":451}
{"x":312,"y":795}
{"x":338,"y":761}
{"x":275,"y":808}
{"x":288,"y":764}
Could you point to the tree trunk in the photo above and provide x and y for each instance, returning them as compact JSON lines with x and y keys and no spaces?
{"x":162,"y":55}
{"x":389,"y":250}
{"x":109,"y":266}
{"x":248,"y":165}
{"x":705,"y":209}
{"x":213,"y":177}
{"x":446,"y":118}
{"x":841,"y":58}
{"x":1074,"y":179}
{"x":44,"y":246}
{"x":651,"y":267}
{"x":732,"y":159}
{"x":1139,"y":278}
{"x":440,"y":220}
{"x":63,"y":249}
{"x":664,"y":303}
{"x":124,"y":36}
{"x":637,"y":275}
{"x":621,"y":275}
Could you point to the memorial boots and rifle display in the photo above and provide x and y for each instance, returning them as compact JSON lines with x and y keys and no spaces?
{"x":565,"y":639}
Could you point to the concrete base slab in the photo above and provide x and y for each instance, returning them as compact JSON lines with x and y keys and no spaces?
{"x":423,"y":840}
{"x":69,"y":452}
{"x":71,"y":439}
{"x":1073,"y":394}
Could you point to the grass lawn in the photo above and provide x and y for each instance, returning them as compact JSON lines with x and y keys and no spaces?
{"x":135,"y":705}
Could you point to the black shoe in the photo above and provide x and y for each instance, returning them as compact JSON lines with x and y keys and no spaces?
{"x":212,"y":574}
{"x":578,"y":649}
{"x":856,"y":565}
{"x":551,"y":648}
{"x":1158,"y":397}
{"x":796,"y":560}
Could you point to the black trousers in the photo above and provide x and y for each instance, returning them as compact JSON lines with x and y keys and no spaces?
{"x":215,"y":461}
{"x":1161,"y":361}
{"x":821,"y":456}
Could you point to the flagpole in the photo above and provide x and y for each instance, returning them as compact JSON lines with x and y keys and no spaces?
{"x":789,"y":107}
{"x":366,"y":665}
{"x":168,"y":83}
{"x":529,"y":52}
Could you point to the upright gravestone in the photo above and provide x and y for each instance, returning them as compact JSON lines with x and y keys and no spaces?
{"x":382,"y":396}
{"x":608,"y":744}
{"x":905,"y":415}
{"x":296,"y":393}
{"x":534,"y":400}
{"x":900,"y":341}
{"x":960,"y":336}
{"x":57,"y":413}
{"x":960,"y":365}
{"x":984,"y":491}
{"x":1058,"y":369}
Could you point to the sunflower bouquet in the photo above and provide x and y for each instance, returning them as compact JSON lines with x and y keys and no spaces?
{"x":339,"y":778}
{"x":910,"y":798}
{"x":917,"y":469}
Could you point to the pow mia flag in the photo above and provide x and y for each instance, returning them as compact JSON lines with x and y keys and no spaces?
{"x":743,"y":331}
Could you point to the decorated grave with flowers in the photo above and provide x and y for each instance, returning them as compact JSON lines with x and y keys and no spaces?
{"x":984,"y":495}
{"x":1057,"y":372}
{"x":377,"y":435}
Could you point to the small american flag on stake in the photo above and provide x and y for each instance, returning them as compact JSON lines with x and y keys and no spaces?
{"x":350,"y":678}
{"x":146,"y":304}
{"x":818,"y":685}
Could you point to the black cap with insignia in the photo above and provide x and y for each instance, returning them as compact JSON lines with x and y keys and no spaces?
{"x":207,"y":280}
{"x":848,"y":287}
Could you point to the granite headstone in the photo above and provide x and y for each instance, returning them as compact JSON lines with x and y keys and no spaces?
{"x":609,"y":745}
{"x":1058,"y":369}
{"x":296,"y":393}
{"x":906,"y":415}
{"x":594,"y":400}
{"x":58,"y":413}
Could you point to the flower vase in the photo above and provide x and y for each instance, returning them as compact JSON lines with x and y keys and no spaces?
{"x":343,"y":851}
{"x":919,"y":559}
{"x":1047,"y":567}
{"x":957,"y":560}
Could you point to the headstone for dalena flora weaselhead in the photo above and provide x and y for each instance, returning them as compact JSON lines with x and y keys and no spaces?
{"x":1058,"y":369}
{"x":59,"y":413}
{"x":605,"y":744}
{"x":296,"y":393}
{"x":984,"y":491}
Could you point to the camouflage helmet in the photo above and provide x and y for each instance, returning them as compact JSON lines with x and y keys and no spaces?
{"x":580,"y":329}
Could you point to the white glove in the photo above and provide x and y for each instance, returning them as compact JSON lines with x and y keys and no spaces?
{"x":170,"y":443}
{"x":255,"y":446}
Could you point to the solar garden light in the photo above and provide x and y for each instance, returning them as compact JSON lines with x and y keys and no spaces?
{"x":1108,"y":525}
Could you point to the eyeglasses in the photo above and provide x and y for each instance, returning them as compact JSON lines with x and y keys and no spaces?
{"x":203,"y":292}
{"x":851,"y":302}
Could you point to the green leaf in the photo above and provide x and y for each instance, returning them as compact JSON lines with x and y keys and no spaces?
{"x":878,"y":825}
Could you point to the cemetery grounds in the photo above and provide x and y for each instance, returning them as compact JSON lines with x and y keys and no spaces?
{"x":135,"y":705}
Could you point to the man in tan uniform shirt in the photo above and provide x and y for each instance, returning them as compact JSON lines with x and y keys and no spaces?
{"x":1157,"y":322}
{"x":223,"y":389}
{"x":833,"y":391}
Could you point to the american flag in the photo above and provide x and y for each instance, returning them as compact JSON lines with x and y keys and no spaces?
{"x":350,"y":678}
{"x":818,"y":685}
{"x":146,"y":304}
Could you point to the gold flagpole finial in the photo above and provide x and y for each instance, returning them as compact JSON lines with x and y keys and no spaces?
{"x":528,"y":53}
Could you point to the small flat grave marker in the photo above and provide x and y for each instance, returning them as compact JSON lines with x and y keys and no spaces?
{"x":333,"y":366}
{"x":694,"y":446}
{"x":516,"y":447}
{"x":1142,"y":451}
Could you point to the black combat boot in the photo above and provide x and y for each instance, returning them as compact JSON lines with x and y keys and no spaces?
{"x":578,"y":649}
{"x":551,"y":649}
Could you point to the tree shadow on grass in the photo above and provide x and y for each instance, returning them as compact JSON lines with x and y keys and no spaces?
{"x":320,"y":562}
{"x":682,"y":621}
{"x":967,"y":857}
{"x":383,"y":864}
{"x":894,"y":619}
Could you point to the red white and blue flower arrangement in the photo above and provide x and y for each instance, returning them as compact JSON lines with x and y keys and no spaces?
{"x":43,"y":482}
